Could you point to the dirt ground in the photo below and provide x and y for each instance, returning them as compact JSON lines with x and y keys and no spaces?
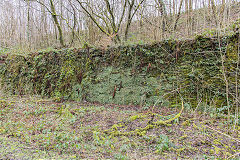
{"x":35,"y":128}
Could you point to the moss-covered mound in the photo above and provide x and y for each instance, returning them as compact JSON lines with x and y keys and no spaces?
{"x":141,"y":75}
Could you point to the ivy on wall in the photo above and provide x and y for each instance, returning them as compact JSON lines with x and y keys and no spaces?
{"x":137,"y":75}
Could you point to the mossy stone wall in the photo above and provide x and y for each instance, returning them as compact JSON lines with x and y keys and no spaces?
{"x":140,"y":75}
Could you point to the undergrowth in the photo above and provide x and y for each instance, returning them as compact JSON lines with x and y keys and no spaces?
{"x":120,"y":132}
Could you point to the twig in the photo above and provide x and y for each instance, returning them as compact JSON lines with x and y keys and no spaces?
{"x":198,"y":105}
{"x":223,"y":134}
{"x":234,"y":155}
{"x":175,"y":90}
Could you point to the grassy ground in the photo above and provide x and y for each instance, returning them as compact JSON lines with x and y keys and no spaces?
{"x":35,"y":128}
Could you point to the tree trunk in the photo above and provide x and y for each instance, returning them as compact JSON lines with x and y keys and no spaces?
{"x":214,"y":12}
{"x":187,"y":15}
{"x":54,"y":16}
{"x":178,"y":15}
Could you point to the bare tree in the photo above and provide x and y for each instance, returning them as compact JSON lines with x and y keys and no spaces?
{"x":54,"y":15}
{"x":35,"y":24}
{"x":178,"y":15}
{"x":132,"y":9}
{"x":106,"y":18}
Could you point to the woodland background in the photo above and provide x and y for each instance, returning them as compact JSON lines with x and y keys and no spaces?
{"x":28,"y":25}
